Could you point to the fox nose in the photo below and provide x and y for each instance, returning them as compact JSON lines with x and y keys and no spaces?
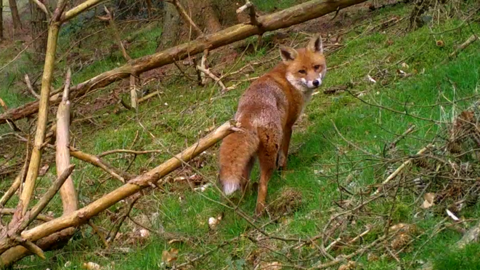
{"x":316,"y":83}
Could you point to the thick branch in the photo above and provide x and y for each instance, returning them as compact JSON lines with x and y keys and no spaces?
{"x":62,"y":156}
{"x":79,"y":9}
{"x":36,"y":156}
{"x":274,"y":21}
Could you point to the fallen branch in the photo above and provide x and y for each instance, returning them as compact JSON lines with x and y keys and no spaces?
{"x":401,"y":167}
{"x":62,"y":155}
{"x":11,"y":211}
{"x":145,"y":180}
{"x":16,"y":184}
{"x":113,"y":233}
{"x":30,"y":87}
{"x":285,"y":18}
{"x":214,"y":77}
{"x":96,"y":161}
{"x":16,"y":226}
{"x":463,"y":46}
{"x":251,"y":12}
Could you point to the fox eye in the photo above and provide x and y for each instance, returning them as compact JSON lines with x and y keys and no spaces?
{"x":302,"y":71}
{"x":316,"y":67}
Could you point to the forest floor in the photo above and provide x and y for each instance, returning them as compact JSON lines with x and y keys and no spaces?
{"x":389,"y":92}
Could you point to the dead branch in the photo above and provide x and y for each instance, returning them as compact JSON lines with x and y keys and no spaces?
{"x":116,"y":34}
{"x":62,"y":157}
{"x":401,"y":167}
{"x":97,"y":161}
{"x":463,"y":46}
{"x":133,"y":91}
{"x":11,"y":211}
{"x":113,"y":233}
{"x":35,"y":159}
{"x":203,"y":64}
{"x":18,"y":225}
{"x":127,"y":151}
{"x":16,"y":184}
{"x":285,"y":18}
{"x":251,"y":12}
{"x":149,"y":96}
{"x":145,"y":180}
{"x":43,"y":8}
{"x":343,"y":258}
{"x":214,"y":77}
{"x":185,"y":17}
{"x":30,"y":87}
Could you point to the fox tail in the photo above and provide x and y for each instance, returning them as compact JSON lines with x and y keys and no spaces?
{"x":236,"y":151}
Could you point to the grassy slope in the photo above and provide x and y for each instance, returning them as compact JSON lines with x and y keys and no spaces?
{"x":180,"y":114}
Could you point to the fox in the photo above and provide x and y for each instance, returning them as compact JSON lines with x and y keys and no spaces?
{"x":266,"y":113}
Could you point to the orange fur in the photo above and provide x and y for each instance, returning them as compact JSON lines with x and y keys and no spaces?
{"x":266,"y":113}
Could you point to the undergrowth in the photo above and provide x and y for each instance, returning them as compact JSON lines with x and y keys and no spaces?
{"x":339,"y":144}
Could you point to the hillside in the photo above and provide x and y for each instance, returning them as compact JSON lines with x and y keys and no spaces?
{"x":389,"y":92}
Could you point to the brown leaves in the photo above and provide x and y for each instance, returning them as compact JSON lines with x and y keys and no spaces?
{"x":403,"y":235}
{"x":429,"y":200}
{"x":169,"y":256}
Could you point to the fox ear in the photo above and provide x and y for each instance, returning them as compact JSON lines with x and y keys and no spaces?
{"x":287,"y":53}
{"x":315,"y":45}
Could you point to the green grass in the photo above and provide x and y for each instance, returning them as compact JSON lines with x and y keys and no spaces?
{"x":181,"y":113}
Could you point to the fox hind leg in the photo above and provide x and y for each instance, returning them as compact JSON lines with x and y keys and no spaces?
{"x":267,"y":156}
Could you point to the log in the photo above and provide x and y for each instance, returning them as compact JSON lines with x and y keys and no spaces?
{"x":282,"y":19}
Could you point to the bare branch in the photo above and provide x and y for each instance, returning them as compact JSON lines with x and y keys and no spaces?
{"x":43,"y":8}
{"x":30,"y":87}
{"x":94,"y":160}
{"x":185,"y":17}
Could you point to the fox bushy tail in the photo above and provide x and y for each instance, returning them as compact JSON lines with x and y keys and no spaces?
{"x":236,"y":151}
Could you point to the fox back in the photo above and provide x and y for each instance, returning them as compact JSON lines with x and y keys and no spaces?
{"x":266,"y":113}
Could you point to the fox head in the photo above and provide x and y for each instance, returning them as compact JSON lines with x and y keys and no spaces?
{"x":305,"y":67}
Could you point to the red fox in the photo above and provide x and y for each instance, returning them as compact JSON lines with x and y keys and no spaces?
{"x":266,"y":113}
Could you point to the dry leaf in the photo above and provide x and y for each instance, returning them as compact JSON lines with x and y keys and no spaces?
{"x":348,"y":266}
{"x":270,"y":266}
{"x":169,"y":256}
{"x":400,"y":241}
{"x":372,"y":257}
{"x":92,"y":266}
{"x":429,"y":200}
{"x":404,"y":228}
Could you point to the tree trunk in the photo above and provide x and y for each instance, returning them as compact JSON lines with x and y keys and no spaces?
{"x":17,"y":24}
{"x":206,"y":14}
{"x":1,"y":21}
{"x":39,"y":31}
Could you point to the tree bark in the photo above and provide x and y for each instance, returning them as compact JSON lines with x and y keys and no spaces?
{"x":17,"y":23}
{"x":202,"y":13}
{"x":1,"y":21}
{"x":282,"y":19}
{"x":39,"y":31}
